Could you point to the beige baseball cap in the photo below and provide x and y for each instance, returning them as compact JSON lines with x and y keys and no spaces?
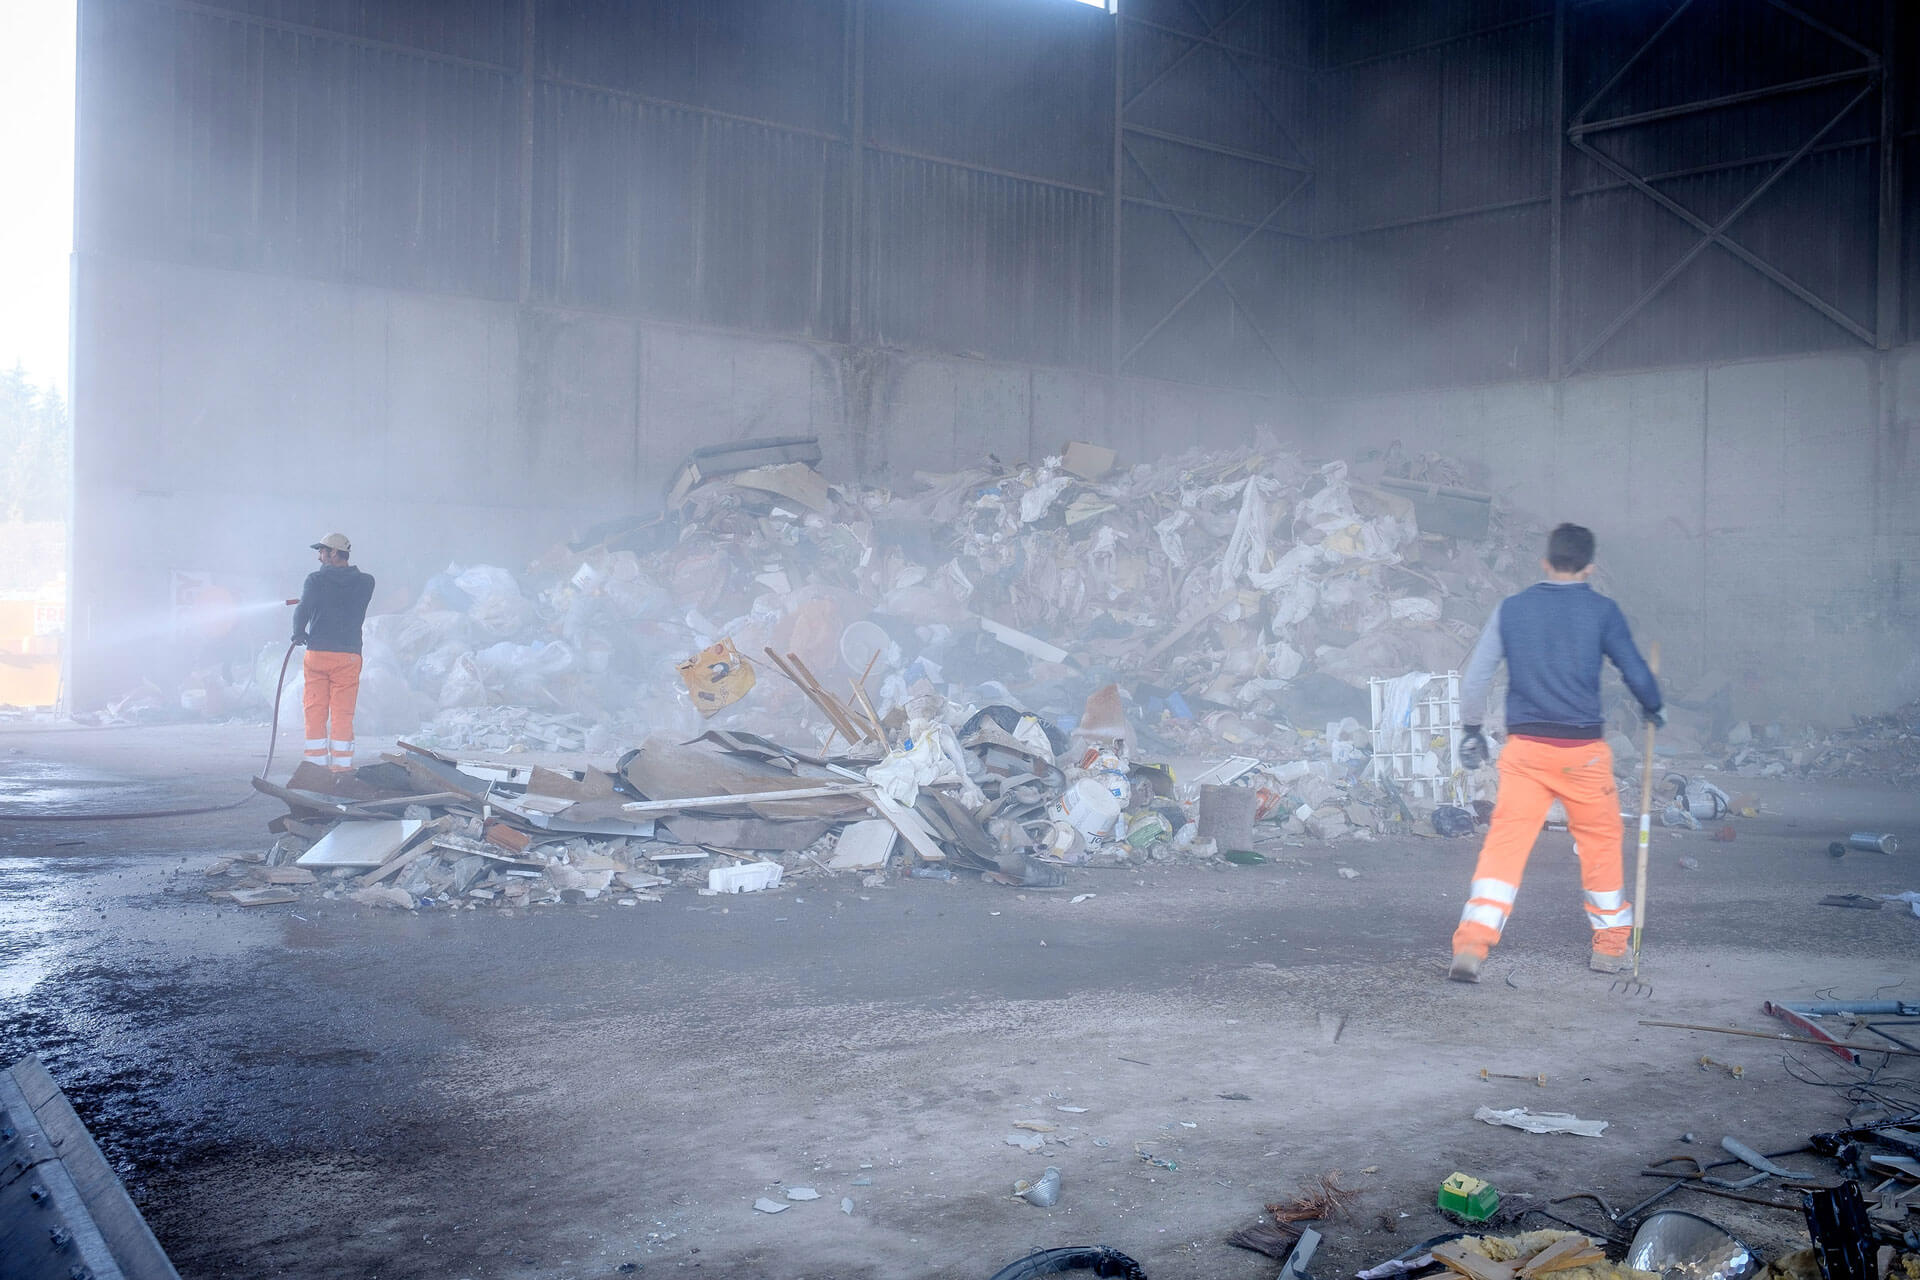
{"x":333,"y":542}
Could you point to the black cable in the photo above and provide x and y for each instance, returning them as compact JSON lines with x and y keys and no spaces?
{"x":273,"y":741}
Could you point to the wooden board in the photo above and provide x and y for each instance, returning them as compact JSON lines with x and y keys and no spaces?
{"x":262,"y":897}
{"x":1455,"y":1257}
{"x":1561,"y":1255}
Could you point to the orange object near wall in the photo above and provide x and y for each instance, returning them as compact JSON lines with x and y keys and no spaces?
{"x":332,"y":687}
{"x":1533,"y":774}
{"x":30,"y":652}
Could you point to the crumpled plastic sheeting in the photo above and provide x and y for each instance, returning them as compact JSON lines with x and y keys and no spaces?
{"x":1911,"y":898}
{"x":932,"y":758}
{"x":1542,"y":1121}
{"x":1035,"y":502}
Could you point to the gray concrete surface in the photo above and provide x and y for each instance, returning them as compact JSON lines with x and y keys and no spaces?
{"x":323,"y":1090}
{"x":1756,"y":514}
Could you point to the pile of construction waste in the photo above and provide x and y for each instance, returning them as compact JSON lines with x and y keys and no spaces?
{"x":1240,"y":599}
{"x":990,"y":674}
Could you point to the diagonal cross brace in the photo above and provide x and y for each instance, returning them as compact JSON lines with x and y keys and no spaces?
{"x":1253,"y":321}
{"x":1215,"y":270}
{"x":1715,"y":233}
{"x":1194,"y":46}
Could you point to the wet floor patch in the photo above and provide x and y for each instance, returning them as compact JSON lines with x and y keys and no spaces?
{"x":44,"y":788}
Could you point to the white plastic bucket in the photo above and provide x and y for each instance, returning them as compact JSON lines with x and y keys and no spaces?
{"x":1091,"y":807}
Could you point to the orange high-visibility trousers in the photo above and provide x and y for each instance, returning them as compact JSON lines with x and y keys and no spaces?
{"x":332,"y":687}
{"x":1533,"y":774}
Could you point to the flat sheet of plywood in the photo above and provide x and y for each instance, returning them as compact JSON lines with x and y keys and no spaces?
{"x":361,"y":844}
{"x":864,"y":846}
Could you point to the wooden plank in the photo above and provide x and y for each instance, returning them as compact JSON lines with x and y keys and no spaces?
{"x":838,"y":719}
{"x":431,"y":798}
{"x":1471,"y":1265}
{"x":740,"y":799}
{"x":262,"y":897}
{"x":827,"y":699}
{"x":908,"y":823}
{"x":1574,"y":1251}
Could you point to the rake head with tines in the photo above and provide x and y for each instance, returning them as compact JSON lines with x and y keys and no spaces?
{"x":1631,"y":983}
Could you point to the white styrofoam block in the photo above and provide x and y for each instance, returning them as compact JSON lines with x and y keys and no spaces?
{"x":744,"y":877}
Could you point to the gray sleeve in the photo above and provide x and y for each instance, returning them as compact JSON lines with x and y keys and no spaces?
{"x":1476,"y":682}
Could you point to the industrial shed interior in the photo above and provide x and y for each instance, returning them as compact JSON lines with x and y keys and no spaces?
{"x":1166,"y":384}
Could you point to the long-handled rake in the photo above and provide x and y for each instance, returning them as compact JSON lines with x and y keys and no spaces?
{"x":1631,"y":985}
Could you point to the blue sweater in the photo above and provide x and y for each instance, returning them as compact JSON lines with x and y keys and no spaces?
{"x":1553,"y":636}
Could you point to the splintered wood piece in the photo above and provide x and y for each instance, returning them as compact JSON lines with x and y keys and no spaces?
{"x":813,"y":682}
{"x":828,"y":707}
{"x":1471,"y":1265}
{"x":1561,"y":1255}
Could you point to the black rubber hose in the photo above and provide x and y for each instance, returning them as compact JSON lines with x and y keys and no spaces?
{"x":273,"y":740}
{"x":1110,"y":1264}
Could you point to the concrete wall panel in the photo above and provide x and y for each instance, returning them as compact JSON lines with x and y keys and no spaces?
{"x":1756,"y":518}
{"x":225,"y":420}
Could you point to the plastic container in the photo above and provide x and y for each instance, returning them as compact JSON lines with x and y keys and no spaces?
{"x":1468,"y":1198}
{"x":1873,"y":842}
{"x":1092,"y":807}
{"x":859,"y":642}
{"x":744,"y":877}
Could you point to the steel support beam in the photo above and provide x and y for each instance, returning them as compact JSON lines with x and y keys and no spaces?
{"x":240,"y":18}
{"x":1715,"y":233}
{"x":1239,"y":303}
{"x":1217,"y":148}
{"x":1729,"y":100}
{"x":1632,"y":59}
{"x":1886,"y":326}
{"x":529,"y":68}
{"x":1196,"y":46}
{"x":856,"y":246}
{"x":1224,"y":219}
{"x":1119,"y":187}
{"x":1221,"y":45}
{"x":1214,"y":271}
{"x":1556,"y":300}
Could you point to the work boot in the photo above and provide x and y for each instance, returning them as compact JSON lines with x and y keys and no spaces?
{"x":1465,"y":967}
{"x":1606,"y":962}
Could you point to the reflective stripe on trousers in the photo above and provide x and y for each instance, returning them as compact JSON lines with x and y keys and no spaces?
{"x":1533,"y":775}
{"x":332,"y":688}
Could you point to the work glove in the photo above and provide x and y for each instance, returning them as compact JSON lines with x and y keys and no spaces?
{"x":1473,"y":747}
{"x":299,"y":639}
{"x":1653,"y":718}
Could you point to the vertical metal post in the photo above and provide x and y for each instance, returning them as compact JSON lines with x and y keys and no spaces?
{"x":701,"y":146}
{"x":1887,"y":286}
{"x":524,"y":287}
{"x":1119,"y":175}
{"x":1556,"y":302}
{"x":856,"y":248}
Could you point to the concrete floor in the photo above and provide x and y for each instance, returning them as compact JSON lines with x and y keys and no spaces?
{"x":325,"y":1090}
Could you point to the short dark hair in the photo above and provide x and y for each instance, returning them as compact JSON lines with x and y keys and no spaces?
{"x":1570,"y":548}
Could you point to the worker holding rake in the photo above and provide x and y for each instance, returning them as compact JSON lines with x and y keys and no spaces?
{"x":1553,"y":636}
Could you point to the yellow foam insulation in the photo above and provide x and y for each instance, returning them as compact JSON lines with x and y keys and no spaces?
{"x":1528,"y":1243}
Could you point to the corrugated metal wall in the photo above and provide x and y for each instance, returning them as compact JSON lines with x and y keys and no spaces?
{"x":1437,"y":194}
{"x":1313,"y":195}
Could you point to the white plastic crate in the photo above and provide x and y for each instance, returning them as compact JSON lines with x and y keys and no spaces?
{"x":1416,"y":738}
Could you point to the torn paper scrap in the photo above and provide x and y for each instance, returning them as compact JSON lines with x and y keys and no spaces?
{"x":1542,"y":1121}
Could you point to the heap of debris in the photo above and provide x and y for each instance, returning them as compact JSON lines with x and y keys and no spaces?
{"x":1241,"y":599}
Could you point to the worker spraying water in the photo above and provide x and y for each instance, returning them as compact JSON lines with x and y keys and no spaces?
{"x":332,"y":608}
